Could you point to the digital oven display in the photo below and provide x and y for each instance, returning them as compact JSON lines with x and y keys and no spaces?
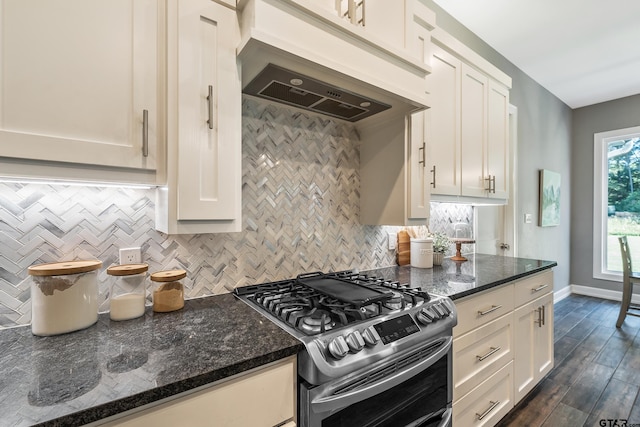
{"x":395,"y":329}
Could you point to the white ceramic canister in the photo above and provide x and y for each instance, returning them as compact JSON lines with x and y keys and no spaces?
{"x":422,"y":253}
{"x":128,"y":291}
{"x":64,"y":296}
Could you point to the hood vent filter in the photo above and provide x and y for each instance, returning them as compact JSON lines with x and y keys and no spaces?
{"x":281,"y":85}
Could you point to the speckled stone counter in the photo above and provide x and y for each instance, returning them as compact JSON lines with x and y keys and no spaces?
{"x":459,"y":279}
{"x":111,"y":367}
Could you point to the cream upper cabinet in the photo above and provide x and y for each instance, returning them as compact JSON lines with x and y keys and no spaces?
{"x":498,"y":140}
{"x":80,"y":82}
{"x":204,"y":121}
{"x":444,"y":125}
{"x":469,"y":147}
{"x":473,"y":118}
{"x":395,"y":185}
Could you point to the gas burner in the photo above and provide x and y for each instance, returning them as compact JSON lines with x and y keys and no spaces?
{"x":317,"y":321}
{"x":313,"y":310}
{"x":396,"y":302}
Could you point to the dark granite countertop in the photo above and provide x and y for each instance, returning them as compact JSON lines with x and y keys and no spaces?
{"x":111,"y":367}
{"x":460,"y":279}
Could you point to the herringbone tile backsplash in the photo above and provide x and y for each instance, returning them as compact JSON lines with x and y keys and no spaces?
{"x":300,"y":213}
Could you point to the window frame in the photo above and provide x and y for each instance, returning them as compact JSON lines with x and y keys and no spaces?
{"x":601,"y":142}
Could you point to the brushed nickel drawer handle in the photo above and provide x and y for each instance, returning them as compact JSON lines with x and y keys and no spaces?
{"x":492,"y":351}
{"x":539,"y":288}
{"x":491,"y":408}
{"x":493,"y":308}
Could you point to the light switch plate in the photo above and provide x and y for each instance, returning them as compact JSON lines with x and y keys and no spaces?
{"x":393,"y":238}
{"x":528,"y":218}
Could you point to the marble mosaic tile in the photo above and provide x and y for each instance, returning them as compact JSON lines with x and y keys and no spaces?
{"x":300,"y":194}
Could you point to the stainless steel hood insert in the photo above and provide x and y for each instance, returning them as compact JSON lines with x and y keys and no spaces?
{"x":281,"y":85}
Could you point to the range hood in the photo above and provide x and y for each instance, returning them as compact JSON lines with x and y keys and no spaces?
{"x":280,"y":85}
{"x":298,"y":53}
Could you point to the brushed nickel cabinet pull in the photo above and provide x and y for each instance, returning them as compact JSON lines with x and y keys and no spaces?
{"x":433,"y":171}
{"x":210,"y":106}
{"x":492,"y":350}
{"x":544,"y":320}
{"x":491,"y":408}
{"x":488,"y":179}
{"x":540,"y":320}
{"x":539,"y":288}
{"x":145,"y":133}
{"x":423,"y":148}
{"x":493,"y":308}
{"x":362,"y":5}
{"x":493,"y":187}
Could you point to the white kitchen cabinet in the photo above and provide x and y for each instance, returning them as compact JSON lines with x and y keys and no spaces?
{"x":80,"y":84}
{"x":473,"y":119}
{"x":502,"y":348}
{"x":265,"y":397}
{"x":395,"y":179}
{"x":469,"y":149}
{"x":444,"y":125}
{"x":485,"y":405}
{"x":204,"y":176}
{"x":534,"y":335}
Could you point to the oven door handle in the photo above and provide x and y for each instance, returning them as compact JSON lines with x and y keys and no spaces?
{"x":445,"y":419}
{"x":331,"y":403}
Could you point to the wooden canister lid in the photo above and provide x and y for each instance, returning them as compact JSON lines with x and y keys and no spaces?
{"x":64,"y":268}
{"x":168,"y":276}
{"x":127,"y":269}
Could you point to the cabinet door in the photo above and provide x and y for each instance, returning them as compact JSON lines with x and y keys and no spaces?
{"x":444,"y":139}
{"x":498,"y":140}
{"x":75,"y":79}
{"x":419,"y":178}
{"x":474,"y":132}
{"x":209,"y":146}
{"x":533,"y":344}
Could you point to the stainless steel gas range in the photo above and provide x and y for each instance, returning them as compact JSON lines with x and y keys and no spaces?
{"x":377,"y":352}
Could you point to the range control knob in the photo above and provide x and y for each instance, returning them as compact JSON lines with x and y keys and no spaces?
{"x":440,"y":310}
{"x":338,"y":347}
{"x":446,"y":308}
{"x":355,"y":341}
{"x":426,"y":316}
{"x":370,"y":336}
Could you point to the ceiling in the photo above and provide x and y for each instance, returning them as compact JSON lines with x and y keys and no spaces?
{"x":582,"y":51}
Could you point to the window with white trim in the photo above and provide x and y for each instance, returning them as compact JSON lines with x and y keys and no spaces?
{"x":616,"y":200}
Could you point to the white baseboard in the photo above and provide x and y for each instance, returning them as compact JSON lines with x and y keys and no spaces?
{"x":601,"y":293}
{"x":561,"y":294}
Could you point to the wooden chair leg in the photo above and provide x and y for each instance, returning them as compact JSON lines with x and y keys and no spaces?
{"x":624,"y":304}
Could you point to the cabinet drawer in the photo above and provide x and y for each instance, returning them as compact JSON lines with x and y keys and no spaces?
{"x":270,"y":392}
{"x":481,"y":353}
{"x":476,"y":310}
{"x":533,"y":287}
{"x":488,"y":403}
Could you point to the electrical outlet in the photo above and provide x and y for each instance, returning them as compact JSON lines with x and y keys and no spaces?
{"x":528,"y":218}
{"x":393,"y":238}
{"x":130,"y":256}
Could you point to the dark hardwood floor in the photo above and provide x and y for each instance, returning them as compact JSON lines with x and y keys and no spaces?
{"x":596,"y":377}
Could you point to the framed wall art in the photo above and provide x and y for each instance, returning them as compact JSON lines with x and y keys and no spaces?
{"x":549,"y":204}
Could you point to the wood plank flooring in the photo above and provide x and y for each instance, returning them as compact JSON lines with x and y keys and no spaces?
{"x":596,"y":378}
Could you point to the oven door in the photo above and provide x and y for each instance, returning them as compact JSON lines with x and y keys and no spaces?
{"x":413,"y":389}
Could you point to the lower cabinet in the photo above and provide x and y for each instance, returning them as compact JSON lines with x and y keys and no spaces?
{"x":534,"y":343}
{"x":271,"y":392}
{"x":502,"y":348}
{"x":486,"y":404}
